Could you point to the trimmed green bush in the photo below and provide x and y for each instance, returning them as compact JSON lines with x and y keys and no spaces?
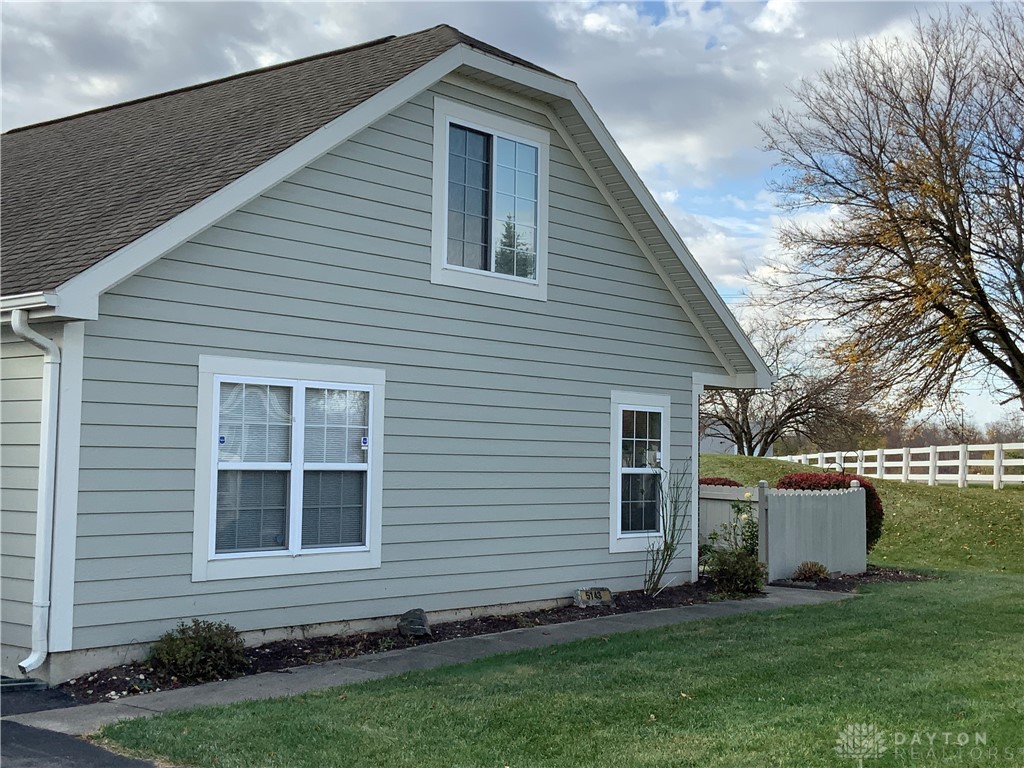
{"x":826,"y":481}
{"x":199,"y":652}
{"x":736,"y":572}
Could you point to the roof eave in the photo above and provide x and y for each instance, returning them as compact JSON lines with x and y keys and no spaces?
{"x":33,"y":302}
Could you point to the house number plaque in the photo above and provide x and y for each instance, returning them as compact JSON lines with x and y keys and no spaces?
{"x":593,"y":596}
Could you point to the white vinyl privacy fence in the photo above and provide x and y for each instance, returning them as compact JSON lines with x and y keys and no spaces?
{"x":995,"y":463}
{"x":794,"y":526}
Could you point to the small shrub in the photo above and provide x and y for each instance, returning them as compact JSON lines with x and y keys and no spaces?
{"x":810,"y":570}
{"x":736,"y":572}
{"x":199,"y":652}
{"x":825,"y":481}
{"x":719,"y":481}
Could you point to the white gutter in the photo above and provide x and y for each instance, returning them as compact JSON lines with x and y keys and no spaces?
{"x":36,"y":300}
{"x":45,"y":496}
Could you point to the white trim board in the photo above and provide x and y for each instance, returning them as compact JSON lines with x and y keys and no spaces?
{"x":65,"y":524}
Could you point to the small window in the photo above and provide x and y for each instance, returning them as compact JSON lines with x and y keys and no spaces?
{"x":490,"y":192}
{"x":640,"y":470}
{"x":640,"y":448}
{"x":294,"y":469}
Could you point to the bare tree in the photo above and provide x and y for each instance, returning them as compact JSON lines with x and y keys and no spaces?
{"x":914,"y":150}
{"x":1008,"y":429}
{"x":813,"y":397}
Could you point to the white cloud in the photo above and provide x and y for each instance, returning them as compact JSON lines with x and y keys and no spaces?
{"x":776,"y":17}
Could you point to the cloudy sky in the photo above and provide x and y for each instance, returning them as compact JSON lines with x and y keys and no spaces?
{"x":681,"y":86}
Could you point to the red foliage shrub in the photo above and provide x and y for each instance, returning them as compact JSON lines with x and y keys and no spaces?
{"x":826,"y":481}
{"x":719,"y":481}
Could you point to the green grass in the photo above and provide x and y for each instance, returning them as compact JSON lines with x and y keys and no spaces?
{"x":771,"y":689}
{"x":937,"y":527}
{"x":766,"y":689}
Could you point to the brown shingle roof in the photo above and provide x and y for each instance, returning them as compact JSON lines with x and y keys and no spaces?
{"x":77,"y":189}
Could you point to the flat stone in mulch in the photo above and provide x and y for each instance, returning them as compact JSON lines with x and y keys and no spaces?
{"x":131,"y":679}
{"x":850,"y":582}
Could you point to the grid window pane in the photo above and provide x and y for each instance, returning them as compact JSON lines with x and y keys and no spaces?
{"x":526,"y":185}
{"x":252,"y":511}
{"x":505,"y":180}
{"x":333,"y":509}
{"x":640,"y":502}
{"x":255,"y":423}
{"x":641,"y":438}
{"x":506,"y":152}
{"x":336,"y":423}
{"x":469,"y":194}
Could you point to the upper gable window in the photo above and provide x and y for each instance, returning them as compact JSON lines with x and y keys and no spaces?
{"x":490,"y":202}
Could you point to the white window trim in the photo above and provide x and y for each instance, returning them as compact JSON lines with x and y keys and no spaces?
{"x":441,"y":273}
{"x":206,"y":564}
{"x":620,"y":401}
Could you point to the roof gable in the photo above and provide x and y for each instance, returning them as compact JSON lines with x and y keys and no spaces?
{"x":161,"y":169}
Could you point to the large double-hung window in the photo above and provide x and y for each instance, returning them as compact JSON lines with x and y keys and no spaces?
{"x":293,"y":468}
{"x":490,"y":201}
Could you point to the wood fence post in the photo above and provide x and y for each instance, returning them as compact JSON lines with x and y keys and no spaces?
{"x":821,"y":459}
{"x":860,"y":462}
{"x":933,"y":464}
{"x":997,"y":467}
{"x":880,"y":468}
{"x":962,"y":476}
{"x":906,"y":465}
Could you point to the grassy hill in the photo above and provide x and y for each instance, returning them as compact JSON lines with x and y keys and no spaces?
{"x":941,"y":527}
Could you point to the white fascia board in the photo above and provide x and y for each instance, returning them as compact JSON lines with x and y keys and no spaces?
{"x":759,"y":380}
{"x":570,"y":92}
{"x":83,"y":291}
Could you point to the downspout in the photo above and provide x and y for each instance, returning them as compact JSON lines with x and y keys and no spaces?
{"x":45,"y":496}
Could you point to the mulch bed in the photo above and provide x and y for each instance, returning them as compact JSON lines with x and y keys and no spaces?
{"x":132,"y":679}
{"x":873,"y":575}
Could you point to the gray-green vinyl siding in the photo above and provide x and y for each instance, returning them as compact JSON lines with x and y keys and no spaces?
{"x":21,"y":368}
{"x":496,"y":456}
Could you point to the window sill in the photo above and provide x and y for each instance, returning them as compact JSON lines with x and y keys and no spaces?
{"x":489,"y":282}
{"x":284,"y":564}
{"x":633,"y":542}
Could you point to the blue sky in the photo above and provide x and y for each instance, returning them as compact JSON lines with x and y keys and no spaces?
{"x":681,"y":86}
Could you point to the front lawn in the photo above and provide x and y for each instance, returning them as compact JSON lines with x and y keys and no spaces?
{"x":769,"y":689}
{"x":759,"y":690}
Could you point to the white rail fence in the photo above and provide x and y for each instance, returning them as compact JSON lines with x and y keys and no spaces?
{"x":794,"y":526}
{"x":995,"y":463}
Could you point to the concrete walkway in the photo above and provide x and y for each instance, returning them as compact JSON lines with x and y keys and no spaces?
{"x":79,"y":721}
